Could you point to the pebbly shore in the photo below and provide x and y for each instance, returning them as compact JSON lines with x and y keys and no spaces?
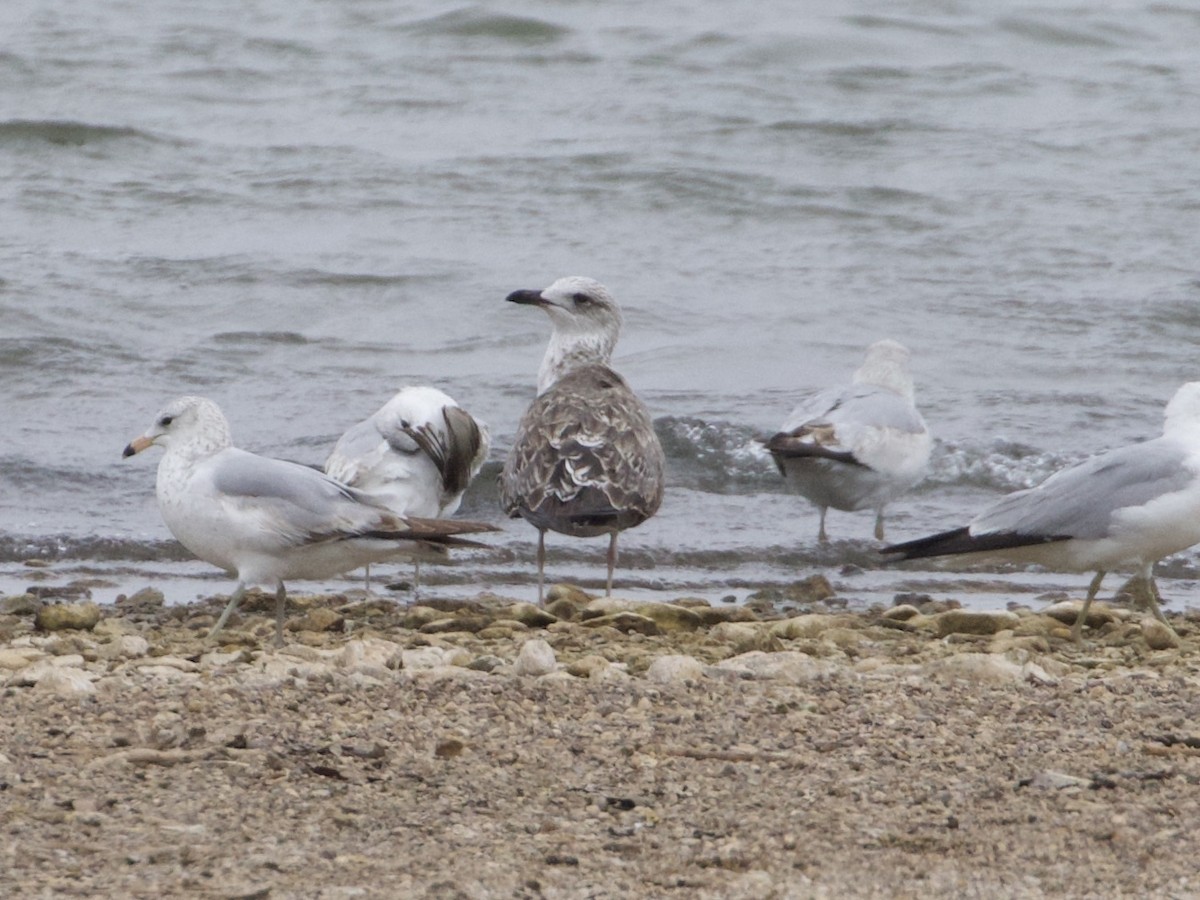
{"x":595,"y":748}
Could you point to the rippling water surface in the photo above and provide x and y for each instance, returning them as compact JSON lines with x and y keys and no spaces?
{"x":295,"y":207}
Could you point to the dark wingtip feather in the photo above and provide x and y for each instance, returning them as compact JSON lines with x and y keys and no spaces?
{"x":786,"y":445}
{"x":960,"y":540}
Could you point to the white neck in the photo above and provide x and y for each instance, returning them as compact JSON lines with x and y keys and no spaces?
{"x":569,"y":351}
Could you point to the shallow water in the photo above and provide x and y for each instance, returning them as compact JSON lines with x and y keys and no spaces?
{"x":296,"y":209}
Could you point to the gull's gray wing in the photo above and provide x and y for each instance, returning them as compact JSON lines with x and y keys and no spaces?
{"x":296,"y":502}
{"x":843,"y":424}
{"x":855,"y":405}
{"x":1080,"y":502}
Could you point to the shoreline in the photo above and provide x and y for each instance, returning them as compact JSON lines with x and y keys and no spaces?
{"x":609,"y":749}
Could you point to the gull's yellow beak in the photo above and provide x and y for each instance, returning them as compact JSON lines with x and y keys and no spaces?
{"x":137,"y":445}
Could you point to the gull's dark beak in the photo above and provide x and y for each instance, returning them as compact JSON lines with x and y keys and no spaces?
{"x":137,"y":445}
{"x":530,"y":298}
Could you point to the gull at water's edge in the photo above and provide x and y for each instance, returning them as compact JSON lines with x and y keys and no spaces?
{"x":266,"y":520}
{"x":416,"y":455}
{"x":1128,"y":507}
{"x":585,"y":460}
{"x":859,"y":445}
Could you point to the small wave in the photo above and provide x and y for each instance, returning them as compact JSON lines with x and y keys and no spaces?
{"x":1057,"y":35}
{"x":260,"y":337}
{"x":475,"y":22}
{"x":1002,"y":466}
{"x":65,"y":133}
{"x":717,"y":457}
{"x":19,"y":548}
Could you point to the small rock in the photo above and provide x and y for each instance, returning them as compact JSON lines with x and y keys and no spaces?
{"x":148,"y":599}
{"x":448,"y":748}
{"x":65,"y":682}
{"x":716,"y":615}
{"x":536,"y":658}
{"x":1099,"y":614}
{"x":129,"y":647}
{"x":675,"y":669}
{"x":989,"y":668}
{"x":587,"y":666}
{"x":528,"y":615}
{"x":625,"y":621}
{"x":13,"y":658}
{"x":668,"y":616}
{"x":1054,"y":781}
{"x":319,"y":618}
{"x":421,"y":615}
{"x":576,"y":596}
{"x":21,"y":605}
{"x":788,"y":665}
{"x":806,"y":626}
{"x":902,"y":612}
{"x":486,"y":663}
{"x":422,"y":658}
{"x":470,"y":624}
{"x":60,"y":617}
{"x":1158,"y":636}
{"x":961,"y":621}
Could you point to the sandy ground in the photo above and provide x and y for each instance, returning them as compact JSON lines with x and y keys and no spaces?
{"x":487,"y":750}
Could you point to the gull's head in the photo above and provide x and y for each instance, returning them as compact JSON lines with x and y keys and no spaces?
{"x":587,"y":323}
{"x":1183,"y":410}
{"x":886,"y":365}
{"x":190,"y":423}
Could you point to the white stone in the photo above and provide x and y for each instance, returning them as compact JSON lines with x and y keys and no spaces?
{"x":675,"y":669}
{"x":66,"y":682}
{"x":536,"y":658}
{"x":369,"y":655}
{"x":788,"y":665}
{"x":422,"y":658}
{"x":13,"y":658}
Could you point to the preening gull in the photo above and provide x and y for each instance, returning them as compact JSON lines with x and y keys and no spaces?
{"x":585,"y":460}
{"x":415,"y":455}
{"x":266,"y":520}
{"x":1127,"y":507}
{"x":859,"y":445}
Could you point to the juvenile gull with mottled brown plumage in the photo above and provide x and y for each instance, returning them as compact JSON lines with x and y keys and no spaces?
{"x":585,"y":460}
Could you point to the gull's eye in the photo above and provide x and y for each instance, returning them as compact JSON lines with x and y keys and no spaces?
{"x":581,"y":298}
{"x":166,"y":420}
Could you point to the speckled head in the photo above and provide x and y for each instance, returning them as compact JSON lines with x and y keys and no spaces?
{"x":191,"y":423}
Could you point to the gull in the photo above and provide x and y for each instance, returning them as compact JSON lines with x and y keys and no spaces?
{"x":266,"y":520}
{"x":585,"y":460}
{"x":1128,"y":507}
{"x":415,"y":455}
{"x":859,"y":445}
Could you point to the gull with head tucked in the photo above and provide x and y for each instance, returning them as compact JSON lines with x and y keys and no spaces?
{"x":1128,"y":507}
{"x":860,"y":445}
{"x":415,"y":455}
{"x":585,"y":460}
{"x":266,"y":520}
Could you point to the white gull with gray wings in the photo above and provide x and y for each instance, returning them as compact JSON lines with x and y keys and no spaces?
{"x":415,"y":455}
{"x":266,"y":520}
{"x":1127,"y":507}
{"x":585,"y":460}
{"x":860,"y":445}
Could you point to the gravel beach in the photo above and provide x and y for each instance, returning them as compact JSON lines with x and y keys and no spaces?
{"x":598,"y":748}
